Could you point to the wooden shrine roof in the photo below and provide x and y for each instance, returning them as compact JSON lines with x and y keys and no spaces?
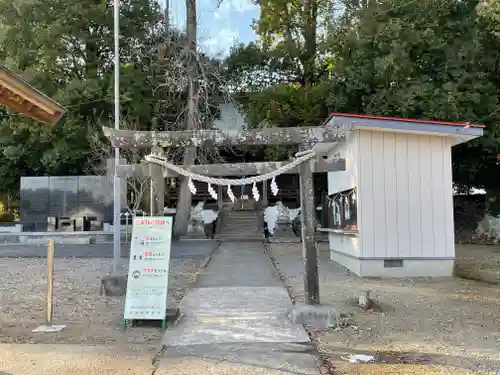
{"x":19,"y":96}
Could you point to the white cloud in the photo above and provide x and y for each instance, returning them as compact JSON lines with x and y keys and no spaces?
{"x":221,"y":43}
{"x":243,"y":5}
{"x":239,"y":6}
{"x":218,"y":27}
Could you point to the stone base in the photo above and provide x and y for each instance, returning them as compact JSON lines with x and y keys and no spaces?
{"x":172,"y":316}
{"x":49,"y":329}
{"x":114,"y":285}
{"x":61,"y":240}
{"x":317,"y":316}
{"x":409,"y":268}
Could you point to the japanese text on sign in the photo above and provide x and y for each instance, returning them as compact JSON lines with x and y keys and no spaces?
{"x":147,"y":283}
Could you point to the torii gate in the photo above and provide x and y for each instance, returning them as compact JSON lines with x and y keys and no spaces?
{"x":314,"y":142}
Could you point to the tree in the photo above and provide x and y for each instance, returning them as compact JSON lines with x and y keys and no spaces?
{"x":433,"y":61}
{"x":197,"y":88}
{"x":280,"y":80}
{"x":138,"y":181}
{"x":290,"y":31}
{"x":65,"y":50}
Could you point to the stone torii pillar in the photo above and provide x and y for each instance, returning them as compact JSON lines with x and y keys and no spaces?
{"x":265,"y":201}
{"x":308,"y":221}
{"x":157,"y":193}
{"x":156,"y":189}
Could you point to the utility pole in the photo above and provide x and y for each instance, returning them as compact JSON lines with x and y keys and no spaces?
{"x":167,"y":17}
{"x":116,"y":179}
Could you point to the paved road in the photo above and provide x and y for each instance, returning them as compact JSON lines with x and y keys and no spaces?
{"x":180,"y":249}
{"x":234,"y":321}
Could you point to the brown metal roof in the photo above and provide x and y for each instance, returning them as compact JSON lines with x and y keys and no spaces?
{"x":384,"y":118}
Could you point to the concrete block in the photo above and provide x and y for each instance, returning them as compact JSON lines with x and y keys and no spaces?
{"x":316,"y":316}
{"x":51,"y":224}
{"x":65,"y":224}
{"x":172,"y":315}
{"x":79,"y":227}
{"x":61,"y":240}
{"x":114,"y":285}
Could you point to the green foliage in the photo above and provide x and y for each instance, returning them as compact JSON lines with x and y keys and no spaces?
{"x":7,"y":217}
{"x":289,"y":31}
{"x":7,"y":214}
{"x":427,"y":62}
{"x":287,"y":105}
{"x":65,"y":49}
{"x":438,"y":60}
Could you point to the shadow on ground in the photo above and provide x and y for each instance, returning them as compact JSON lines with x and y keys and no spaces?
{"x":338,"y":357}
{"x":269,"y":358}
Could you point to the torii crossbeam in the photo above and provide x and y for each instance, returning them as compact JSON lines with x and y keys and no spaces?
{"x":200,"y":138}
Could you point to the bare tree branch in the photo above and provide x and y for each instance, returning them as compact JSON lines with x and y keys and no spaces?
{"x":102,"y":153}
{"x":179,"y":64}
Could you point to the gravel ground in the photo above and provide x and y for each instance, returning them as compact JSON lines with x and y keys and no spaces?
{"x":76,"y":359}
{"x":478,"y":262}
{"x":449,"y":323}
{"x":89,"y":317}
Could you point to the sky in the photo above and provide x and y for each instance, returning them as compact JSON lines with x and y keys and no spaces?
{"x":218,"y":27}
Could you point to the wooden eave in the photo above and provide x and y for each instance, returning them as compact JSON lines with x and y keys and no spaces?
{"x":21,"y":97}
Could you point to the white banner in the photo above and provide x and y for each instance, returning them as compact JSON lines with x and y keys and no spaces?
{"x":147,"y":283}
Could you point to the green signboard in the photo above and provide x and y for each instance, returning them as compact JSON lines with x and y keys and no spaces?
{"x":147,"y":283}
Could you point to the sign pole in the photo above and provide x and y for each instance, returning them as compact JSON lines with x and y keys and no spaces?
{"x":116,"y":179}
{"x":48,"y":327}
{"x":50,"y":283}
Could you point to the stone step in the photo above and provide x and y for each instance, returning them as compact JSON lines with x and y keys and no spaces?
{"x":242,"y":213}
{"x":240,"y":229}
{"x":241,"y":219}
{"x":242,"y":233}
{"x":241,"y":225}
{"x":241,"y":238}
{"x":237,"y":222}
{"x":239,"y":215}
{"x":253,"y":226}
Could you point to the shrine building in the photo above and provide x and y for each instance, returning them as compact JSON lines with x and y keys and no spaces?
{"x":391,"y":211}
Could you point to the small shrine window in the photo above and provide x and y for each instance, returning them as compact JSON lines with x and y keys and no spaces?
{"x":340,"y":210}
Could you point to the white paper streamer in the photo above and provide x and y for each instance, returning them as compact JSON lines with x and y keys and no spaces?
{"x":347,"y":209}
{"x":255,"y":192}
{"x":230,"y":194}
{"x":191,"y":187}
{"x":212,"y":192}
{"x":274,"y":187}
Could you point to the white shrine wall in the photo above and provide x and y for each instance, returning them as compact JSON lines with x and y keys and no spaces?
{"x":404,"y":205}
{"x":340,"y":181}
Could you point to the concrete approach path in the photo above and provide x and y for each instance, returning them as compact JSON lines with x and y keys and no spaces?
{"x":234,"y":321}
